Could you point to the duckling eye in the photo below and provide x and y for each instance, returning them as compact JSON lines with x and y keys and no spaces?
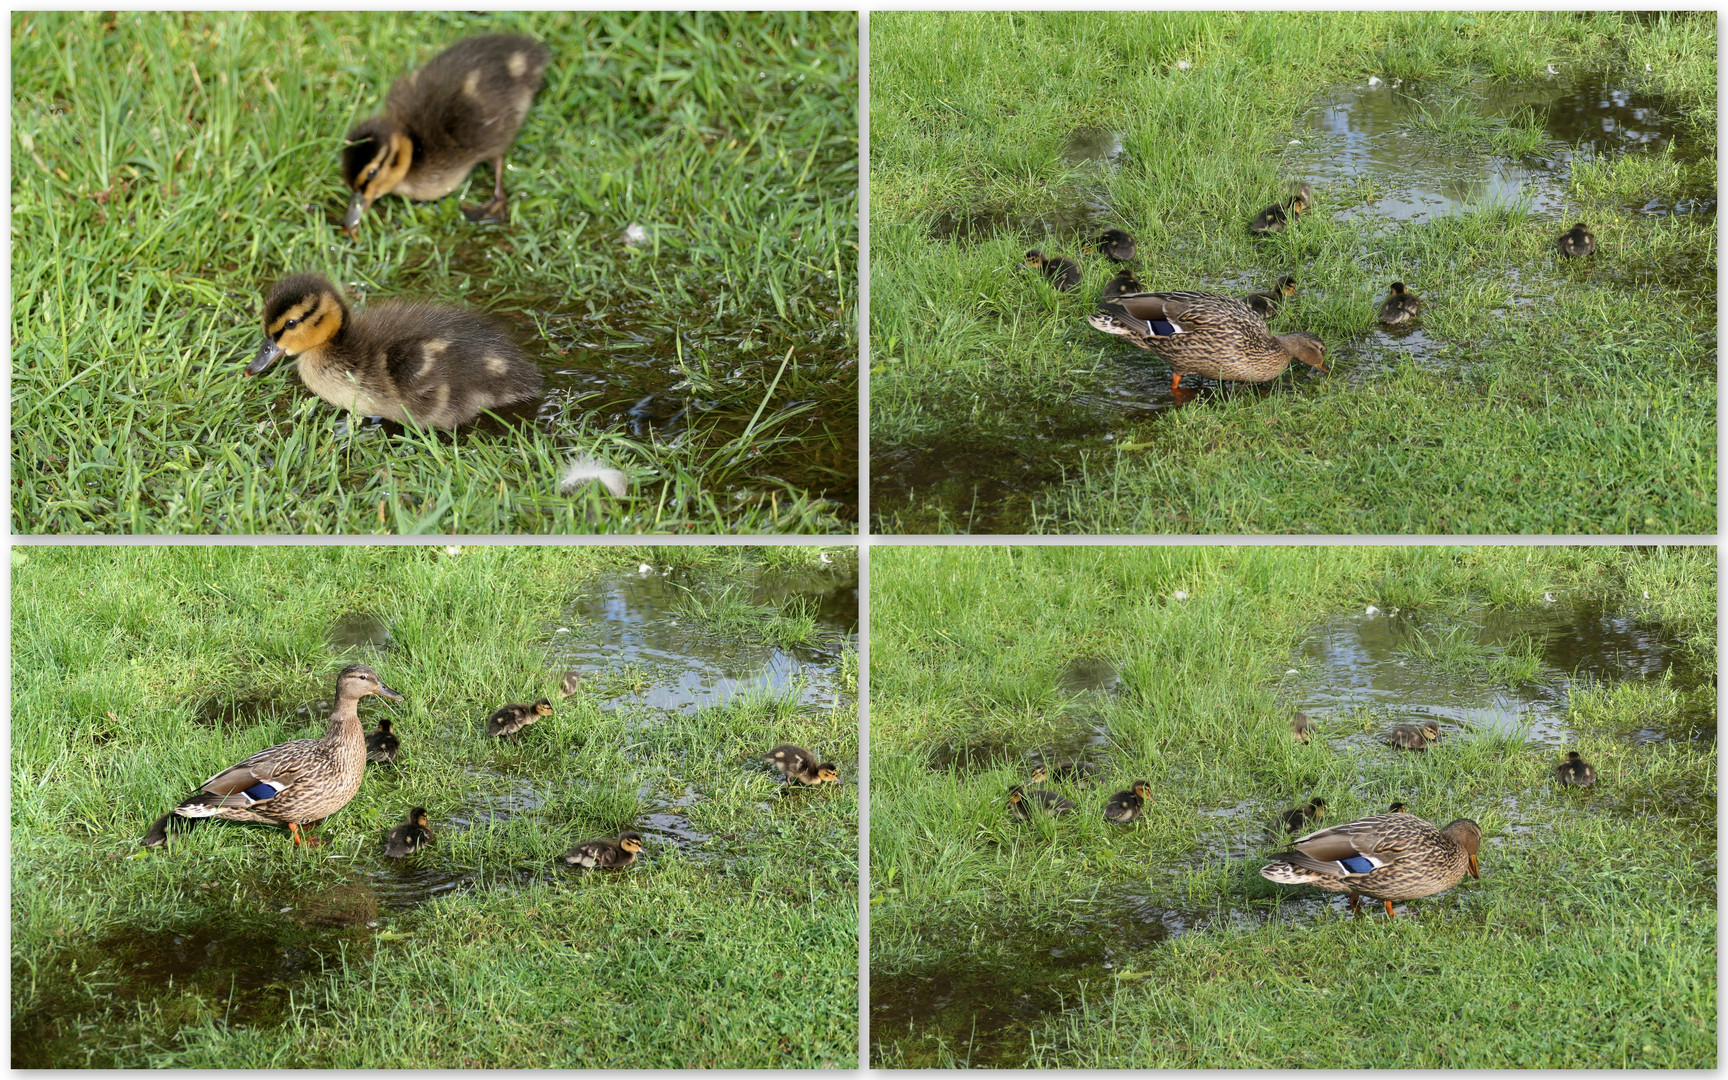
{"x":291,"y":324}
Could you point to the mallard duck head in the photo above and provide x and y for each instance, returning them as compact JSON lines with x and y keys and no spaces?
{"x":1397,"y":289}
{"x":1036,"y":258}
{"x":631,"y":842}
{"x":1016,"y":794}
{"x":1317,"y":808}
{"x":1305,"y":347}
{"x":1396,"y":808}
{"x":357,"y":680}
{"x":543,"y":707}
{"x":375,"y":160}
{"x":827,"y":773}
{"x":1430,"y":730}
{"x":303,"y":312}
{"x":1467,"y":835}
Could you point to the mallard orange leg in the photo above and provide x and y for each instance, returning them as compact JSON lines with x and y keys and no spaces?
{"x":1389,"y":909}
{"x":302,"y":836}
{"x":495,"y":208}
{"x":1175,"y":381}
{"x":1355,"y":904}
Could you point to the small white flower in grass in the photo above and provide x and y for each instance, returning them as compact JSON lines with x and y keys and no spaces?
{"x":1646,"y":591}
{"x":452,"y":550}
{"x":1179,"y":595}
{"x":584,"y":469}
{"x":1372,"y":610}
{"x":1646,"y":66}
{"x":1183,"y":65}
{"x":635,"y":235}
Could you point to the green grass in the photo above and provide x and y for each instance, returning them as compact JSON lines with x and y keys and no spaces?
{"x":230,"y":948}
{"x":1539,"y":405}
{"x":169,"y":168}
{"x":1588,"y":942}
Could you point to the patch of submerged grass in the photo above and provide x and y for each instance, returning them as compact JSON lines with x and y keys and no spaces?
{"x":1456,"y":650}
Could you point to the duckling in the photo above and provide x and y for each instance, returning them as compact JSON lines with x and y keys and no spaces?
{"x":381,"y":745}
{"x":605,"y":854}
{"x":409,"y":362}
{"x":1576,"y":242}
{"x":567,"y":688}
{"x":511,"y":719}
{"x":1397,"y":808}
{"x":1414,"y":736}
{"x":1301,"y":728}
{"x":463,"y":107}
{"x":1401,"y":306}
{"x":1278,"y":216}
{"x":797,"y":763}
{"x":1123,"y":283}
{"x":1124,"y":806}
{"x":1046,"y":803}
{"x":1295,"y":820}
{"x":1266,"y":303}
{"x":409,"y":837}
{"x":1575,"y":771}
{"x":1116,"y":245}
{"x":1063,"y":273}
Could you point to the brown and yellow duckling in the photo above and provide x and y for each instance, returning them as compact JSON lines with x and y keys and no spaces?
{"x":1063,"y":273}
{"x":605,"y":854}
{"x":1415,"y":736}
{"x":1278,"y":216}
{"x":1124,"y":806}
{"x":509,"y":720}
{"x":409,"y":362}
{"x":1396,"y":808}
{"x":297,"y":783}
{"x":1022,"y":804}
{"x":381,"y":745}
{"x":571,"y":682}
{"x":1265,"y":304}
{"x":1296,"y":820}
{"x":1301,"y":728}
{"x":1200,"y":333}
{"x":1575,"y":771}
{"x":439,"y":121}
{"x":1067,"y":772}
{"x":1576,"y":242}
{"x":1116,"y":245}
{"x":1124,"y":282}
{"x":1401,"y":305}
{"x":410,"y":836}
{"x":1387,"y":857}
{"x":797,"y":763}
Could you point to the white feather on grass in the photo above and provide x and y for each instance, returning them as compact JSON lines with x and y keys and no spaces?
{"x":585,"y":469}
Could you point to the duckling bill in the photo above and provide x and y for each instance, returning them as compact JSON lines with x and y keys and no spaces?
{"x":413,"y":363}
{"x":462,"y":108}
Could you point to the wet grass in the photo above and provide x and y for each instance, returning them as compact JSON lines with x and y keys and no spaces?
{"x":172,"y":167}
{"x":1076,"y":943}
{"x":1531,"y":406}
{"x":733,"y":945}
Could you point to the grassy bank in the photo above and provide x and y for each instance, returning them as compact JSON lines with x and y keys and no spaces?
{"x":1588,"y":942}
{"x":171,"y":168}
{"x":139,"y":672}
{"x":1527,"y":402}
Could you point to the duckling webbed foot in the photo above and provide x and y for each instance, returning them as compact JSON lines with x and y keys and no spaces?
{"x":497,"y":208}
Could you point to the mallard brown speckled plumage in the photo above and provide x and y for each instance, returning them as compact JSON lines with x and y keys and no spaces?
{"x":1022,"y":803}
{"x":1388,"y":857}
{"x":1575,"y":771}
{"x":294,"y":783}
{"x":410,"y":836}
{"x":1219,"y":337}
{"x":605,"y":854}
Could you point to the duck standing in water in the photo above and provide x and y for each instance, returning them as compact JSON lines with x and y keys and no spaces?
{"x":1199,"y":333}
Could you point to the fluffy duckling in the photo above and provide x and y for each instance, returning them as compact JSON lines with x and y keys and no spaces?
{"x":605,"y":854}
{"x":1576,"y":242}
{"x":381,"y":745}
{"x":1063,"y":273}
{"x":1575,"y":771}
{"x":1124,"y":806}
{"x":1045,"y":803}
{"x":1301,"y":728}
{"x":1265,"y":304}
{"x":572,"y":681}
{"x":1123,"y":283}
{"x":440,"y":121}
{"x":1401,"y":305}
{"x":511,"y":719}
{"x":1415,"y":736}
{"x":797,"y":763}
{"x":1397,"y":808}
{"x":409,"y":362}
{"x":1116,"y":245}
{"x":1278,"y":216}
{"x":1296,"y":820}
{"x":410,"y":836}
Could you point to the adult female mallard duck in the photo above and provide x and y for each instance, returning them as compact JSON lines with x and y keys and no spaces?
{"x":1124,"y":806}
{"x":1301,"y":728}
{"x":1415,"y":736}
{"x":410,"y":836}
{"x":1063,"y":273}
{"x":1116,"y":245}
{"x":1576,"y":242}
{"x":605,"y":854}
{"x":1123,"y":282}
{"x":409,"y":362}
{"x":1219,"y":337}
{"x":797,"y":763}
{"x":1045,"y":803}
{"x":463,"y":107}
{"x":1401,"y":305}
{"x":1575,"y":771}
{"x":1294,"y":820}
{"x":381,"y":745}
{"x":294,"y":783}
{"x":1278,"y":216}
{"x":509,"y":720}
{"x":1265,"y":304}
{"x":1388,"y":857}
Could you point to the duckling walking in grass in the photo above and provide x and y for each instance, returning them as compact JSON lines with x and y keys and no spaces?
{"x":1387,"y":857}
{"x":298,"y":783}
{"x":410,"y":836}
{"x":413,"y":363}
{"x":1022,"y":804}
{"x":464,"y":107}
{"x":797,"y":763}
{"x":1063,"y":273}
{"x":605,"y":854}
{"x":1575,"y":771}
{"x":1116,"y":245}
{"x":1301,"y":728}
{"x":509,"y":720}
{"x":1296,"y":820}
{"x":381,"y":745}
{"x":1219,"y":337}
{"x":1415,"y":736}
{"x":1125,"y":806}
{"x":1265,"y":304}
{"x":1401,"y":305}
{"x":1278,"y":216}
{"x":1576,"y":242}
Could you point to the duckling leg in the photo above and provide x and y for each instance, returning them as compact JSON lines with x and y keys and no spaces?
{"x":495,"y":208}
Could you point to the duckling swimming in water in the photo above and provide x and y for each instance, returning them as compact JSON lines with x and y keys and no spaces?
{"x":410,"y":362}
{"x":797,"y":763}
{"x":605,"y":854}
{"x":1401,"y":305}
{"x":1415,"y":737}
{"x":1575,"y":771}
{"x":463,"y":107}
{"x":511,"y":719}
{"x":1046,"y":803}
{"x":381,"y":745}
{"x":1063,"y":273}
{"x":1124,"y":806}
{"x":409,"y":837}
{"x":1576,"y":242}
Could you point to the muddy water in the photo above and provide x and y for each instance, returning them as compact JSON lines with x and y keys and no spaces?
{"x":986,"y":480}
